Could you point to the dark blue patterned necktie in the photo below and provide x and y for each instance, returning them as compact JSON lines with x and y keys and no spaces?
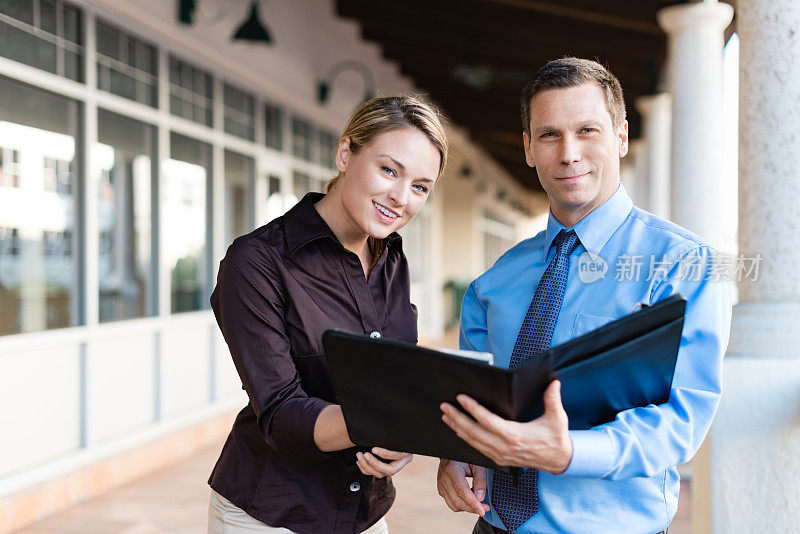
{"x":515,"y":504}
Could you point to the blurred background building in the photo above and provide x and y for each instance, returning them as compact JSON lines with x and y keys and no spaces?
{"x":139,"y":138}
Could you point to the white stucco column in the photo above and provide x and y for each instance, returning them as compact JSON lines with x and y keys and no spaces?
{"x":751,"y":473}
{"x":628,"y":170}
{"x":694,"y":78}
{"x":654,"y":183}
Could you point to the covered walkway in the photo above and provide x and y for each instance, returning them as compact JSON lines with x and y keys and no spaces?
{"x":175,"y":501}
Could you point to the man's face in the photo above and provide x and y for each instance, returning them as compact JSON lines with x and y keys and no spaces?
{"x":575,"y":149}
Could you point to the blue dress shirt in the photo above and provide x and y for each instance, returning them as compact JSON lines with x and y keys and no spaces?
{"x":622,"y":477}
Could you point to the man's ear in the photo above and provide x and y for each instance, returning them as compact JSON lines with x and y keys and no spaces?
{"x":622,"y":134}
{"x":343,"y":154}
{"x":526,"y":145}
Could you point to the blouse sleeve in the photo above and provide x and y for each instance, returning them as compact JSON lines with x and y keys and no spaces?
{"x":249,"y":303}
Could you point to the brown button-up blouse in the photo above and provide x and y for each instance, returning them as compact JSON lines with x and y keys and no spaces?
{"x":278,"y":289}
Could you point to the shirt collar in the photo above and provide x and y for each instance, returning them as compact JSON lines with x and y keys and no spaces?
{"x":596,"y":228}
{"x":303,"y":225}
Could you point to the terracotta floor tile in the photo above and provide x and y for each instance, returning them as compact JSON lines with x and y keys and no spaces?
{"x":175,"y":500}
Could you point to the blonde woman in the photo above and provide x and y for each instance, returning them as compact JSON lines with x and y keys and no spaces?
{"x":332,"y":261}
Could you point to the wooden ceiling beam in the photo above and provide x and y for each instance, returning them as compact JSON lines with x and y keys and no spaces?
{"x":588,"y":15}
{"x":479,"y":18}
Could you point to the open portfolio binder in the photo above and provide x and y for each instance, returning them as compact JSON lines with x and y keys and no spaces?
{"x":390,"y":391}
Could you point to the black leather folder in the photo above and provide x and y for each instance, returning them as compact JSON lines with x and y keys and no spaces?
{"x":390,"y":391}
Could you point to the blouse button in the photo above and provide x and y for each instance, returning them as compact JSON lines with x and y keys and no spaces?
{"x":375,"y":335}
{"x":355,"y":486}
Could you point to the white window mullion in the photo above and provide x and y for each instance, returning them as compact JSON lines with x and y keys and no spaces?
{"x":163,"y":282}
{"x":90,"y":236}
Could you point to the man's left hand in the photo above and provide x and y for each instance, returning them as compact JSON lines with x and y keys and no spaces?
{"x":543,"y":443}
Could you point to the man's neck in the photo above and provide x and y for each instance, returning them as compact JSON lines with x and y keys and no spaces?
{"x":569,"y":217}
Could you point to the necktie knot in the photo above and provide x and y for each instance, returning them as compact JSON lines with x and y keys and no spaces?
{"x":567,"y":242}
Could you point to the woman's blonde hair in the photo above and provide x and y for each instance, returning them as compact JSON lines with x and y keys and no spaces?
{"x":386,"y":113}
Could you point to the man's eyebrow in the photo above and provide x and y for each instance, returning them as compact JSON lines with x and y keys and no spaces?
{"x":402,"y":167}
{"x":579,"y":124}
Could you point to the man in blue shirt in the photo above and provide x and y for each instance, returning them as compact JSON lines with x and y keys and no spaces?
{"x":620,"y":476}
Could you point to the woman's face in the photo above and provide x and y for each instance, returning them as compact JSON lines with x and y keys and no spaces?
{"x":387,"y":182}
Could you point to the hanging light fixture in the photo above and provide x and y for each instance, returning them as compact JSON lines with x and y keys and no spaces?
{"x":186,"y":11}
{"x":324,"y":86}
{"x":252,"y":29}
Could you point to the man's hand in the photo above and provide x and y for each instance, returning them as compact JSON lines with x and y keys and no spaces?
{"x":382,"y":462}
{"x":453,"y":487}
{"x":543,"y":443}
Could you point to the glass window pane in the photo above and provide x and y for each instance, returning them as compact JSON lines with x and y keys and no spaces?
{"x":47,"y":16}
{"x":301,"y":184}
{"x":239,"y":174}
{"x":274,"y":185}
{"x":274,"y":130}
{"x":327,"y":149}
{"x":72,"y":65}
{"x":27,"y":48}
{"x":21,"y":10}
{"x":34,"y":41}
{"x":38,"y":264}
{"x":107,"y":41}
{"x":301,"y":139}
{"x":122,"y":85}
{"x":190,"y":92}
{"x":124,"y":156}
{"x":71,"y":24}
{"x":239,"y":109}
{"x":273,"y":205}
{"x":186,"y":176}
{"x":120,"y":69}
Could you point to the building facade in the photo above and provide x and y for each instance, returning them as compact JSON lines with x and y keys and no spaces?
{"x":133,"y":149}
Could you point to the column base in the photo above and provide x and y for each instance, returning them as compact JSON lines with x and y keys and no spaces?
{"x":746,"y":474}
{"x":765,"y":329}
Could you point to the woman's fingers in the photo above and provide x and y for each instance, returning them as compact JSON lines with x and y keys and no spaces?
{"x":369,"y":464}
{"x":386,"y":454}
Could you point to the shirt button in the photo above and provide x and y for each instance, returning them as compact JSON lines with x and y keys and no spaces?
{"x":355,"y":486}
{"x":375,"y":335}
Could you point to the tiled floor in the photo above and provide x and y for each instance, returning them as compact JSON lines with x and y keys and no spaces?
{"x":175,"y":500}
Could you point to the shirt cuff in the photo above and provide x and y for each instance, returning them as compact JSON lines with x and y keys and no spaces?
{"x":293,"y":429}
{"x":592,"y":454}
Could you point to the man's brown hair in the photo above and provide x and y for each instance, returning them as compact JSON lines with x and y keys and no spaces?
{"x":571,"y":72}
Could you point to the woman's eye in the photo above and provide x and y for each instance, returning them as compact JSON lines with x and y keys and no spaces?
{"x":388,"y":170}
{"x":420,"y":188}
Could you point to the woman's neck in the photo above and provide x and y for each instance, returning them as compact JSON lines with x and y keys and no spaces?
{"x":332,"y":211}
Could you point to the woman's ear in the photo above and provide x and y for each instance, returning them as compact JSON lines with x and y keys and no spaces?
{"x":343,"y":154}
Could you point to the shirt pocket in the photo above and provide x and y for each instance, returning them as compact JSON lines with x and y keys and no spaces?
{"x":586,"y":322}
{"x":315,"y":376}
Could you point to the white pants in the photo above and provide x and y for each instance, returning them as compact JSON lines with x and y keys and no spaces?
{"x":224,"y":517}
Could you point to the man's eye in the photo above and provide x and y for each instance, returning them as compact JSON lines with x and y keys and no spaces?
{"x":388,"y":170}
{"x":589,"y":130}
{"x":547,"y":134}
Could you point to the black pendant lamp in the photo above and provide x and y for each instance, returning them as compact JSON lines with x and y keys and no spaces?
{"x":252,"y":29}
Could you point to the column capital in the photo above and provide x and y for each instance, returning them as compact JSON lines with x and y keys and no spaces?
{"x":673,"y":19}
{"x":648,"y":103}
